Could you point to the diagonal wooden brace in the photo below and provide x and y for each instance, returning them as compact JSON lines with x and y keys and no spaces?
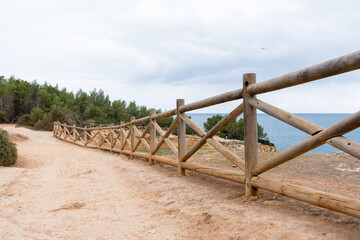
{"x":340,"y":142}
{"x":141,"y":138}
{"x":165,"y":136}
{"x":220,"y":125}
{"x":348,"y":124}
{"x":168,"y":141}
{"x":218,"y":146}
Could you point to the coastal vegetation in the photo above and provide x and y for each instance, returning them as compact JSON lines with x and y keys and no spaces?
{"x":39,"y":105}
{"x":8,"y":151}
{"x":235,"y":129}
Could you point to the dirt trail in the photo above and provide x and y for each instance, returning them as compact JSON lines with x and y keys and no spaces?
{"x":62,"y":191}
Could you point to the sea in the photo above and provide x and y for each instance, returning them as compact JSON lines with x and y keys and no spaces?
{"x":284,"y":136}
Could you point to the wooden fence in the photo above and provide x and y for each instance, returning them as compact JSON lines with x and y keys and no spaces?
{"x":126,"y":137}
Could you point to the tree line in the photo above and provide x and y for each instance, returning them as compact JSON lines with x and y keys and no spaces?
{"x":39,"y":105}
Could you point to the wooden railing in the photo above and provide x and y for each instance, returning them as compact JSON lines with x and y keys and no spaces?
{"x":126,"y":138}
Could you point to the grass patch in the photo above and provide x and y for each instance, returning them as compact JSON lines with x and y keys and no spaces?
{"x":28,"y":127}
{"x":142,"y":149}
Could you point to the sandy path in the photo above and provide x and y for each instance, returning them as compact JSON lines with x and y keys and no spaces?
{"x":63,"y":191}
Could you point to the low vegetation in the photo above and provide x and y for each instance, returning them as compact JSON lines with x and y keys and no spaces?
{"x":8,"y":151}
{"x":235,"y":129}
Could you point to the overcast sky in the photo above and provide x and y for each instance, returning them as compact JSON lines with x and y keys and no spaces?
{"x":154,"y":52}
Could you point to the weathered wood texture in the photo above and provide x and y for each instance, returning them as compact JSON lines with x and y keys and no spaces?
{"x":218,"y":146}
{"x":235,"y":176}
{"x":168,"y":141}
{"x":122,"y":137}
{"x":132,"y":136}
{"x":152,"y":131}
{"x":330,"y":201}
{"x":181,"y":131}
{"x":340,"y":142}
{"x":164,"y":114}
{"x":141,"y":138}
{"x":250,"y":134}
{"x":225,"y":97}
{"x":329,"y":68}
{"x":348,"y":124}
{"x":165,"y":136}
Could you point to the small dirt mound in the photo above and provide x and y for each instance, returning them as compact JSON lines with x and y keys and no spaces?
{"x":16,"y":137}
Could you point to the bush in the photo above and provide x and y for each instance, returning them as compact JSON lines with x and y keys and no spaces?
{"x":165,"y":122}
{"x":36,"y":115}
{"x":57,"y":115}
{"x":47,"y":123}
{"x":235,"y":129}
{"x":44,"y":124}
{"x":212,"y":121}
{"x":24,"y":120}
{"x":72,"y":118}
{"x":8,"y":151}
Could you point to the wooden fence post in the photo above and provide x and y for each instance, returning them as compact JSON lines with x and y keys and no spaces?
{"x":99,"y":136}
{"x":85,"y":135}
{"x":122,"y":137}
{"x":132,"y":135}
{"x":250,"y":135}
{"x":73,"y":133}
{"x":152,"y":136}
{"x":181,"y":131}
{"x":112,"y":137}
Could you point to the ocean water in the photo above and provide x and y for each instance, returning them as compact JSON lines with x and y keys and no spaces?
{"x":283,"y":135}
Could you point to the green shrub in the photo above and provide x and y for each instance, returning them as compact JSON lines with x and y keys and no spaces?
{"x":36,"y":115}
{"x":235,"y":129}
{"x":165,"y":122}
{"x":24,"y":120}
{"x":47,"y":123}
{"x":44,"y":124}
{"x":212,"y":121}
{"x":8,"y":151}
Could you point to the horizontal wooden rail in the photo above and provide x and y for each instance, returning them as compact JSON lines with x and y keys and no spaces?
{"x":235,"y":176}
{"x":329,"y":68}
{"x":166,"y":114}
{"x":349,"y":206}
{"x":221,"y":98}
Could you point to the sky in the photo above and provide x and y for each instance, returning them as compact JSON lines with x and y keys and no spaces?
{"x":155,"y":52}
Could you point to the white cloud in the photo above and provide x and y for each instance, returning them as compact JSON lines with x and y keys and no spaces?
{"x":186,"y":49}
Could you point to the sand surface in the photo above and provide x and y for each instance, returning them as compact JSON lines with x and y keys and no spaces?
{"x":58,"y":190}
